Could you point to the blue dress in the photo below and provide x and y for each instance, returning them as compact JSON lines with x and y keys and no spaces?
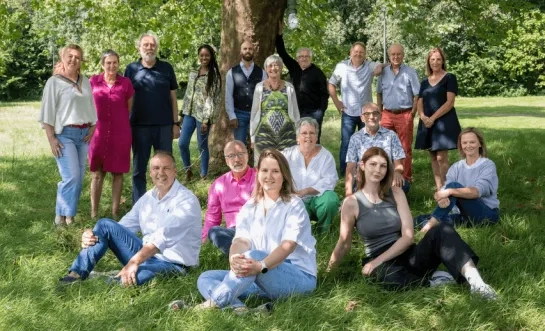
{"x":443,"y":135}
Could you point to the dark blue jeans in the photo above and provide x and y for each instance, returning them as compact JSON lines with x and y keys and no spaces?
{"x":348,"y":127}
{"x":143,"y":138}
{"x":243,"y":118}
{"x":318,"y":115}
{"x":472,"y":212}
{"x":189,"y":125}
{"x":222,"y":238}
{"x":124,"y":244}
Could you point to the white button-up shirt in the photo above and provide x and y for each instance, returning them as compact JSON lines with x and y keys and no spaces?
{"x":283,"y":221}
{"x":172,"y":224}
{"x":320,"y":174}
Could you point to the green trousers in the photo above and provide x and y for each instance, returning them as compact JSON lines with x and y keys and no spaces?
{"x":322,"y":209}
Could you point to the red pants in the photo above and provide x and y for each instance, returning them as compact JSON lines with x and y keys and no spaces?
{"x":402,"y":124}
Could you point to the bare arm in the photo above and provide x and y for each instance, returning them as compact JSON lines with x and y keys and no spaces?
{"x":332,"y":89}
{"x":415,"y":106}
{"x":128,"y":273}
{"x":349,"y":212}
{"x":379,"y":102}
{"x":464,"y":192}
{"x":351,"y":168}
{"x":445,"y":108}
{"x":398,"y":173}
{"x":174,"y":103}
{"x":54,"y":143}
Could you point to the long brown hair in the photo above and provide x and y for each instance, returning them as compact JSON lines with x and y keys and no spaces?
{"x":482,"y":150}
{"x":386,"y":182}
{"x":287,"y":189}
{"x":443,"y":56}
{"x":58,"y":68}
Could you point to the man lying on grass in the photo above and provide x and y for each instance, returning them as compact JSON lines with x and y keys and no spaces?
{"x":169,"y":218}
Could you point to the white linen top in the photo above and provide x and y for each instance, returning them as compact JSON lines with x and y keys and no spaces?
{"x":172,"y":224}
{"x":63,"y":104}
{"x":255,"y":117}
{"x":283,"y":221}
{"x":321,"y":173}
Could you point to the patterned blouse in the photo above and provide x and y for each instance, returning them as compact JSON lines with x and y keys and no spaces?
{"x":196,"y":101}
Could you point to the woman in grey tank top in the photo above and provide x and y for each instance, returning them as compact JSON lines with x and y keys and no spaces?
{"x":383,"y":219}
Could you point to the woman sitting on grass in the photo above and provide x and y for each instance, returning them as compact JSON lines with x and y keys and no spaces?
{"x":382,"y":217}
{"x":472,"y":186}
{"x":273,"y":253}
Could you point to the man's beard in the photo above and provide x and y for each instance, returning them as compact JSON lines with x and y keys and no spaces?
{"x":148,"y":57}
{"x":248,"y":57}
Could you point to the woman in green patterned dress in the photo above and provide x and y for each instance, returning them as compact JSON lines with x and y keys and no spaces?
{"x":274,"y":111}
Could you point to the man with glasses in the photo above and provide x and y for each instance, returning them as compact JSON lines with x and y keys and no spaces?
{"x":397,"y":94}
{"x":373,"y":135}
{"x":227,"y":195}
{"x":309,"y":81}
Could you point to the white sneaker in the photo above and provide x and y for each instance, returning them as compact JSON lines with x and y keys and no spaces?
{"x":440,"y":278}
{"x":455,"y":210}
{"x":208,"y":304}
{"x":485,"y":291}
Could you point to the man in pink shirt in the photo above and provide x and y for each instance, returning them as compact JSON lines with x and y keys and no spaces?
{"x":227,"y":195}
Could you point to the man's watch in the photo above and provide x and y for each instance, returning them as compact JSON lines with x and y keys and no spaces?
{"x":177,"y":123}
{"x":264,"y":268}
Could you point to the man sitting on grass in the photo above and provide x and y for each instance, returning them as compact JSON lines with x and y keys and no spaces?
{"x":169,"y":218}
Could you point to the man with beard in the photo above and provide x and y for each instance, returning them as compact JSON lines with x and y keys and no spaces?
{"x":240,"y":83}
{"x":373,"y":135}
{"x":154,"y":113}
{"x":227,"y":195}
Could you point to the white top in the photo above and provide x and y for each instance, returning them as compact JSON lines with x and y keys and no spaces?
{"x":255,"y":117}
{"x":283,"y":221}
{"x":321,"y":173}
{"x":63,"y":104}
{"x":172,"y":224}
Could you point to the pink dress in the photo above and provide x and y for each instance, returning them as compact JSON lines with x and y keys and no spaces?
{"x":110,"y":147}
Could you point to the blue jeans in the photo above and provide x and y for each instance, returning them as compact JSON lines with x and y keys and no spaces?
{"x":243,"y":118}
{"x":472,"y":211}
{"x":71,"y":166}
{"x":143,"y":138}
{"x":317,"y":114}
{"x":221,"y":238}
{"x":189,"y":125}
{"x":227,"y":290}
{"x":124,"y":244}
{"x":348,"y":127}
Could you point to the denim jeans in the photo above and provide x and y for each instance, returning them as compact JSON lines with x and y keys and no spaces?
{"x":227,"y":290}
{"x":243,"y":118}
{"x":348,"y":127}
{"x":317,"y":114}
{"x":71,"y":166}
{"x":221,"y":238}
{"x":143,"y":138}
{"x":189,"y":125}
{"x":124,"y":244}
{"x":472,"y":211}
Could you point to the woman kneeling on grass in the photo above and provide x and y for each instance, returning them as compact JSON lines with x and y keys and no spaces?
{"x":472,"y":186}
{"x":273,"y":253}
{"x":382,"y":217}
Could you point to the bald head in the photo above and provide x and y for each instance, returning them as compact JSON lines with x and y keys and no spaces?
{"x":396,"y":53}
{"x":247,"y":51}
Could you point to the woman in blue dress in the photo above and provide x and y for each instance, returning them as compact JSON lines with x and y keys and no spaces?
{"x":438,"y":128}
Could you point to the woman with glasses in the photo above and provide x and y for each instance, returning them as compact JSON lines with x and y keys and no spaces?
{"x":314,"y":174}
{"x":472,"y":186}
{"x":274,"y":111}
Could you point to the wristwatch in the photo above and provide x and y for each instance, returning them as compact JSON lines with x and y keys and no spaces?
{"x":264,"y":268}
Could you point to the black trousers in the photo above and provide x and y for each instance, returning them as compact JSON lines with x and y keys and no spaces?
{"x":441,"y":244}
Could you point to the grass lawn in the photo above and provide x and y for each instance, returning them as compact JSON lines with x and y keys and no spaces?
{"x":33,"y":255}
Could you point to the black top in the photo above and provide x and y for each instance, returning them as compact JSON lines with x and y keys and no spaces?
{"x":244,"y":87}
{"x":310,"y":84}
{"x":152,"y":104}
{"x":443,"y":135}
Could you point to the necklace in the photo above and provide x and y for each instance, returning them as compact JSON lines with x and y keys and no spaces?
{"x":274,"y":88}
{"x":376,"y":201}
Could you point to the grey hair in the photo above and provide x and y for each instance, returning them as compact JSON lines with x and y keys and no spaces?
{"x":235,"y":143}
{"x":307,"y":121}
{"x":300,"y":49}
{"x":108,"y":52}
{"x":148,"y":34}
{"x":275,"y":58}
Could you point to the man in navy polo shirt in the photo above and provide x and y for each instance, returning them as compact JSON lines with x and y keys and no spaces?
{"x":154,"y":113}
{"x":240,"y":83}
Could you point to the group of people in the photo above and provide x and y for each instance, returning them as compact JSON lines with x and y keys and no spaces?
{"x":268,"y":236}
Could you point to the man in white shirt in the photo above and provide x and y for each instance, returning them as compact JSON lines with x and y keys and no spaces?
{"x":169,"y":218}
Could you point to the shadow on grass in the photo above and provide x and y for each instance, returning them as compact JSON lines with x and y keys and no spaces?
{"x":501,"y":111}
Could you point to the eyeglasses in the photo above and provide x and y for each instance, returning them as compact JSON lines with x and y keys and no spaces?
{"x":304,"y":56}
{"x":374,"y":113}
{"x":232,"y":156}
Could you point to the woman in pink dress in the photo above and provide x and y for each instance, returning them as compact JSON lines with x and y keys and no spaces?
{"x":110,"y":147}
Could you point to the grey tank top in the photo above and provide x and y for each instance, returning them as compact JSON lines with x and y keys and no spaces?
{"x":379,"y":225}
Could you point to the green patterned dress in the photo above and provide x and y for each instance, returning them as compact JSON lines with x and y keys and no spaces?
{"x":275,"y":129}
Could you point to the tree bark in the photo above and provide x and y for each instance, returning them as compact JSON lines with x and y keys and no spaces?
{"x":253,"y":20}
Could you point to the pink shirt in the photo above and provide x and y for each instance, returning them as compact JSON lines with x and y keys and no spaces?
{"x":227,"y":195}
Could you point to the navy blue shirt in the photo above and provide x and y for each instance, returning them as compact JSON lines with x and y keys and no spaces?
{"x":152,"y":86}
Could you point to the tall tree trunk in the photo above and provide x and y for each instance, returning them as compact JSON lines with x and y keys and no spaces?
{"x":254,"y":20}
